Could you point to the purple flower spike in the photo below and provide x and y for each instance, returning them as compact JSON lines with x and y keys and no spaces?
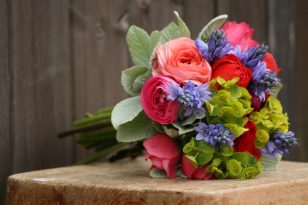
{"x":191,"y":97}
{"x":215,"y":135}
{"x":216,"y":47}
{"x":280,"y":143}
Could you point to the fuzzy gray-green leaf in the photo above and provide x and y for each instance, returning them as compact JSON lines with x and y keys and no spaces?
{"x":138,"y":129}
{"x":212,"y":25}
{"x":125,"y":111}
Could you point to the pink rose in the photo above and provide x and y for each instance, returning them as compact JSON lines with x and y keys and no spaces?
{"x":192,"y":172}
{"x":163,"y":152}
{"x":239,"y":34}
{"x":155,"y":103}
{"x":180,"y":59}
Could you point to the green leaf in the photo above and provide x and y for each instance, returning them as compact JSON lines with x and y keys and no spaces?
{"x":183,"y":129}
{"x":157,"y":173}
{"x":198,"y":152}
{"x":226,"y":150}
{"x":125,"y":111}
{"x":275,"y":90}
{"x":170,"y":32}
{"x":250,"y":172}
{"x":246,"y":159}
{"x":129,"y":76}
{"x":140,"y":80}
{"x":138,"y":129}
{"x":234,"y":168}
{"x":235,"y":129}
{"x":138,"y":45}
{"x":203,"y":158}
{"x":182,"y":26}
{"x":274,"y":104}
{"x":212,"y":25}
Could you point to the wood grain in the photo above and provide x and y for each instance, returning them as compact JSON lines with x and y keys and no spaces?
{"x":254,"y":12}
{"x":282,"y":45}
{"x":98,"y":30}
{"x":128,"y":183}
{"x":40,"y":64}
{"x":5,"y":97}
{"x":300,"y":94}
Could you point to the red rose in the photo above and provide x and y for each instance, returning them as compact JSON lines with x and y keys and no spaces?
{"x":163,"y":152}
{"x":192,"y":172}
{"x":246,"y":142}
{"x":229,"y":67}
{"x":271,"y":63}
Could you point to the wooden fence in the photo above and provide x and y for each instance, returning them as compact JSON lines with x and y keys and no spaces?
{"x":62,"y":58}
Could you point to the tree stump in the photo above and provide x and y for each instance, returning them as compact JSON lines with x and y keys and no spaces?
{"x":127,"y":182}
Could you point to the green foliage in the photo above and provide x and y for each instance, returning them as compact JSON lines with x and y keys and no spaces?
{"x":269,"y":119}
{"x":139,"y":128}
{"x":130,"y":75}
{"x":250,"y":166}
{"x":198,"y":152}
{"x":275,"y":90}
{"x":182,"y":26}
{"x":211,"y":26}
{"x":229,"y":104}
{"x":138,"y":45}
{"x":125,"y":111}
{"x":226,"y":150}
{"x":234,"y":168}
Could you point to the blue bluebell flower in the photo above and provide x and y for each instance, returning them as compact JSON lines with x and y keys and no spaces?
{"x":251,"y":57}
{"x":262,"y":81}
{"x":216,"y":47}
{"x":191,"y":97}
{"x":279,"y":143}
{"x":214,"y":134}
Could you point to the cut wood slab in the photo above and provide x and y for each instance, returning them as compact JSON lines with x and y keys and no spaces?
{"x":127,"y":182}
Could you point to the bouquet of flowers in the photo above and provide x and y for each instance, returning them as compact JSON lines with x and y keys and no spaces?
{"x":205,"y":108}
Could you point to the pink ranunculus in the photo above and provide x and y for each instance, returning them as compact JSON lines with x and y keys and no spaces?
{"x":271,"y":63}
{"x":163,"y":152}
{"x":192,"y":172}
{"x":155,"y":103}
{"x":180,"y":59}
{"x":239,"y":34}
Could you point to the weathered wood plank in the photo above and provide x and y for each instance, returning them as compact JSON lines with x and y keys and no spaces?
{"x":254,"y":12}
{"x":128,"y":183}
{"x":300,"y":94}
{"x":40,"y":64}
{"x":98,"y":53}
{"x":281,"y":42}
{"x":5,"y":81}
{"x":197,"y":13}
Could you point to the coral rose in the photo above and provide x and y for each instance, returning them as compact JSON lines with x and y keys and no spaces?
{"x":246,"y":142}
{"x":180,"y":59}
{"x":229,"y":67}
{"x":155,"y":103}
{"x":239,"y":34}
{"x":163,"y":152}
{"x":271,"y":63}
{"x":192,"y":172}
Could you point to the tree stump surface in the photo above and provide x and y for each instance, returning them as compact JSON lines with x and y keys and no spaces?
{"x":127,"y":182}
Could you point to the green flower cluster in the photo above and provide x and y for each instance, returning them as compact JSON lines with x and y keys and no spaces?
{"x":223,"y":164}
{"x":241,"y":165}
{"x":269,"y":120}
{"x":229,"y":104}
